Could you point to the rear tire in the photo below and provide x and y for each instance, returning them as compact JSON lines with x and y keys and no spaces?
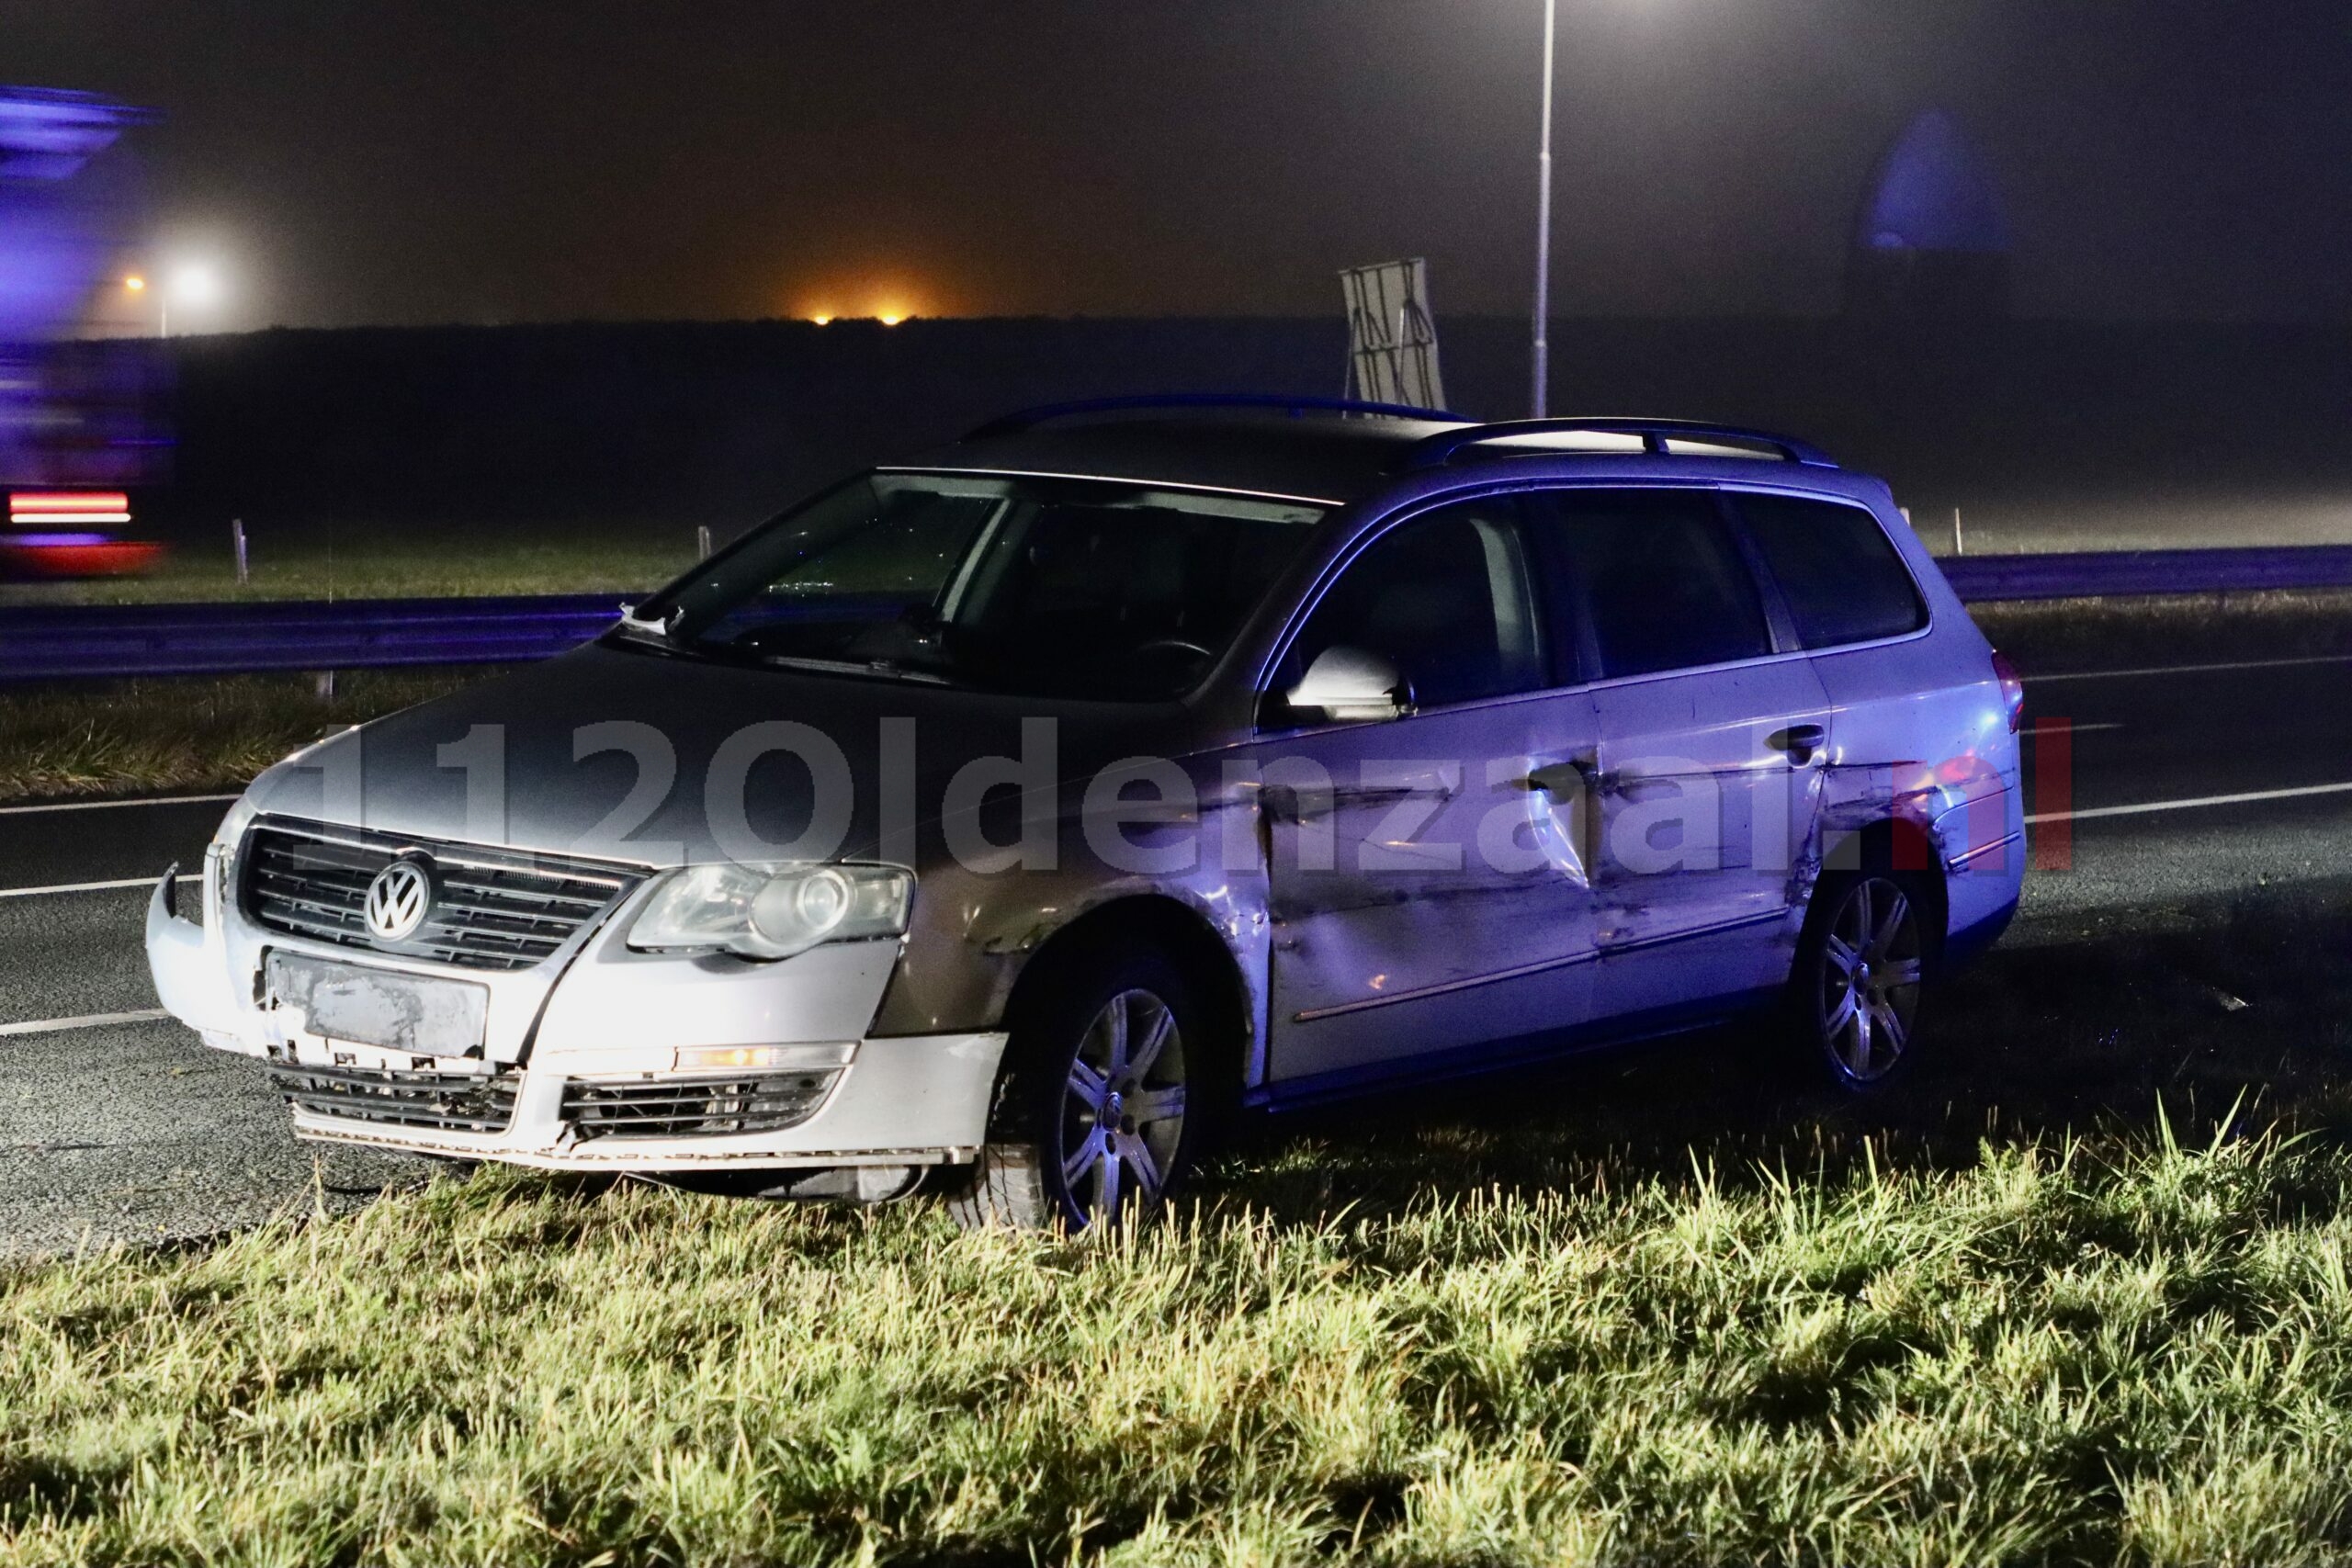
{"x":1104,"y":1102}
{"x":1858,"y":993}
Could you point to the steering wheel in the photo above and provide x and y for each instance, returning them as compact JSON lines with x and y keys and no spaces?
{"x":1183,"y":645}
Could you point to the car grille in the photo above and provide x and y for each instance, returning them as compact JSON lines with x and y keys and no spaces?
{"x":676,"y":1108}
{"x":446,"y":1102}
{"x":491,"y":909}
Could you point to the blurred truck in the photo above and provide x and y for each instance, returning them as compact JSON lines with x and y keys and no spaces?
{"x":84,"y":444}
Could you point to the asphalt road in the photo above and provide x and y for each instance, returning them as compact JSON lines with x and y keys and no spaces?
{"x":129,"y":1131}
{"x":2188,"y":786}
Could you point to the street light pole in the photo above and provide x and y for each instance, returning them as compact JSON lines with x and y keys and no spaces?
{"x":1542,"y":369}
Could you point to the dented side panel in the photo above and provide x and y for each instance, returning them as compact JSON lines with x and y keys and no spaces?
{"x":974,"y":928}
{"x":1429,"y":892}
{"x":1710,"y":811}
{"x":1922,"y":737}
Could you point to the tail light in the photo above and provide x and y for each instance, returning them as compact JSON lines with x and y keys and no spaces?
{"x":2012,"y":688}
{"x":36,"y":509}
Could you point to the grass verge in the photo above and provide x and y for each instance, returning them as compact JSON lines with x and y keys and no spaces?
{"x":135,"y":736}
{"x":2049,"y":636}
{"x":2113,"y":1349}
{"x":406,"y":562}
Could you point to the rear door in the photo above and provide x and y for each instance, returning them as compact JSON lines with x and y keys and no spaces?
{"x":1712,"y":739}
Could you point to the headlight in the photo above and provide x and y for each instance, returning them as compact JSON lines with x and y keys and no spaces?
{"x":221,"y":858}
{"x":771,"y":911}
{"x":234,"y":822}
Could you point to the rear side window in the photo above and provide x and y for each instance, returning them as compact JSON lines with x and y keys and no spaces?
{"x":1664,"y":584}
{"x":1839,"y":572}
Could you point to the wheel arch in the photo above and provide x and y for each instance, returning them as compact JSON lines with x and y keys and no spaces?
{"x":1015,"y":1180}
{"x":1155,"y":920}
{"x":1897,"y":843}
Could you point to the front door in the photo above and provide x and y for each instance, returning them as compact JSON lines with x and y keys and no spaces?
{"x":1429,"y":886}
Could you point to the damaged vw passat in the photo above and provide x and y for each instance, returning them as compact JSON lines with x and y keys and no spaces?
{"x":1011,"y":817}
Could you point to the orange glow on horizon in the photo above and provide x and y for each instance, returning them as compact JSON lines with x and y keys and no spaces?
{"x":888,"y":315}
{"x":886,"y":299}
{"x":135,"y":283}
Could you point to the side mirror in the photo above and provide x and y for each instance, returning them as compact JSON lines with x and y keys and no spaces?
{"x":1350,"y":684}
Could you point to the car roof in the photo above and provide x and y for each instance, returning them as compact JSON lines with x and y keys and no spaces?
{"x":1324,"y":450}
{"x":1317,"y":457}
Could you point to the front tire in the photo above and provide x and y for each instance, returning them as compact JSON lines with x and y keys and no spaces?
{"x":1103,"y":1104}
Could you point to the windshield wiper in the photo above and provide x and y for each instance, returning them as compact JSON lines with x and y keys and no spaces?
{"x":885,"y":669}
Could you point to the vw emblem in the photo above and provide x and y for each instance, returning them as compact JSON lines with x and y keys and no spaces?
{"x":399,"y":899}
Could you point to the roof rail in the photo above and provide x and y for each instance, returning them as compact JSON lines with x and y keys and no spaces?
{"x":1029,"y":418}
{"x":1436,"y":451}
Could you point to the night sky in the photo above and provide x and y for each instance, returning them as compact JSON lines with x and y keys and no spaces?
{"x":400,"y":161}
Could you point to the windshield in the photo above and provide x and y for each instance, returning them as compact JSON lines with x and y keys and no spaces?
{"x":1043,"y":587}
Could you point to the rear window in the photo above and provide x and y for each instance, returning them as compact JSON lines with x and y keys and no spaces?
{"x":1839,"y":572}
{"x":1664,"y":584}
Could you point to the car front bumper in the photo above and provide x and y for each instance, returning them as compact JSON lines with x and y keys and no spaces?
{"x":608,"y":1025}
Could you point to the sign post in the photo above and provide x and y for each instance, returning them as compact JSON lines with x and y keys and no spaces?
{"x":1541,"y":370}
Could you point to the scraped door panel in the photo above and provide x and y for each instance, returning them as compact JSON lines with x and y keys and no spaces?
{"x":1713,"y":730}
{"x":1708,"y":803}
{"x":1436,"y":895}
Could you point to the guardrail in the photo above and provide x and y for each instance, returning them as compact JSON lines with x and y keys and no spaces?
{"x":1978,"y":579}
{"x":55,"y":642}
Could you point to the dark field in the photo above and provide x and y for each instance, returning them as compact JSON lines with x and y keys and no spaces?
{"x":2045,"y":434}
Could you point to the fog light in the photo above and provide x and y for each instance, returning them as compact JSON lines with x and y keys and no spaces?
{"x":762,"y":1058}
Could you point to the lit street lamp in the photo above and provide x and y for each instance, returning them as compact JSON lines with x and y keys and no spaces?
{"x":1544,"y":224}
{"x":194,"y":285}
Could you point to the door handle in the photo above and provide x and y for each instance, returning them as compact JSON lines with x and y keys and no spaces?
{"x":1568,"y":778}
{"x":1799,"y":740}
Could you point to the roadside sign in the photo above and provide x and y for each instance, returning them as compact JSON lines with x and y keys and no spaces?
{"x":1392,"y":338}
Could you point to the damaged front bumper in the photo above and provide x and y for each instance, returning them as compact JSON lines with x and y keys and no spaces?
{"x":614,"y":1061}
{"x":914,"y":1102}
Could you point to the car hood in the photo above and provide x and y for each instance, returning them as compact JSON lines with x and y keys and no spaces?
{"x":584,"y":743}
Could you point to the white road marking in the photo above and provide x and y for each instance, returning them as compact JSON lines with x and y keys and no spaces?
{"x":87,"y":1020}
{"x":112,"y":805}
{"x":2145,"y":808}
{"x":2032,"y":681}
{"x":2054,"y":725}
{"x":79,"y":887}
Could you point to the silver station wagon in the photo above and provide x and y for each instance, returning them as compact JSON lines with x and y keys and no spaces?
{"x":1006,"y":820}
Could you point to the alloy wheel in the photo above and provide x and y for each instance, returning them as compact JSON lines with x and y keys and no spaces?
{"x":1123,"y":1105}
{"x":1867,"y":991}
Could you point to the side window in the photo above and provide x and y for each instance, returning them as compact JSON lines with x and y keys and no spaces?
{"x":1447,"y":600}
{"x":1837,"y":569}
{"x":1664,"y":584}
